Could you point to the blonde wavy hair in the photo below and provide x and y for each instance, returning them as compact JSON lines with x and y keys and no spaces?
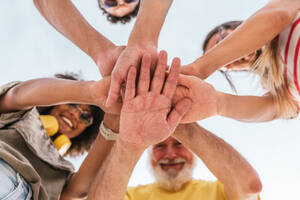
{"x":269,"y":67}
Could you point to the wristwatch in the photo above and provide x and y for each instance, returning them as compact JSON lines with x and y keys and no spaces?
{"x":107,"y":133}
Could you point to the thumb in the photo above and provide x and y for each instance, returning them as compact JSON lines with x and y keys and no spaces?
{"x":178,"y":112}
{"x":114,"y":90}
{"x":187,"y":81}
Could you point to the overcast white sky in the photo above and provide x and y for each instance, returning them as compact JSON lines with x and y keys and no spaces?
{"x":31,"y":48}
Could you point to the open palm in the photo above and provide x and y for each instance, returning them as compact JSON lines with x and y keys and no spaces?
{"x":147,"y":116}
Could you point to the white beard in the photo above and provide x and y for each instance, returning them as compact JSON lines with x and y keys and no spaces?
{"x":171,"y":180}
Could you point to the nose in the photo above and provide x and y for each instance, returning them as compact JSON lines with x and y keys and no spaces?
{"x":171,"y":153}
{"x":75,"y":113}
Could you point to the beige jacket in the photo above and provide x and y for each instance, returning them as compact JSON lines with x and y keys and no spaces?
{"x":25,"y":145}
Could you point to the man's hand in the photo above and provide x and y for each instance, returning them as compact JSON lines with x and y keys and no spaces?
{"x":147,"y":116}
{"x":202,"y":94}
{"x":130,"y":57}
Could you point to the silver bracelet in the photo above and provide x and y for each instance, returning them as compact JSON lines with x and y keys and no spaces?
{"x":107,"y":133}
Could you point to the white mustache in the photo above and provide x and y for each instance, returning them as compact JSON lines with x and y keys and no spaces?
{"x":172,"y":161}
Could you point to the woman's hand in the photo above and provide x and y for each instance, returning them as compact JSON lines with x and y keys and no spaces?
{"x":99,"y":93}
{"x":203,"y":97}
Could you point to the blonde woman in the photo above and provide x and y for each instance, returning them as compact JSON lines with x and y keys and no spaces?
{"x":275,"y":29}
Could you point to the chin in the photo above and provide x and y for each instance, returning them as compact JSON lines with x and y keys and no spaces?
{"x":172,"y":180}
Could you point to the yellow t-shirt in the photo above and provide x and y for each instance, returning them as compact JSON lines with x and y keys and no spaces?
{"x":194,"y":190}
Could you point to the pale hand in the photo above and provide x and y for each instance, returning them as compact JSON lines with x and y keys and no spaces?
{"x":146,"y":116}
{"x":130,"y":57}
{"x":202,"y":95}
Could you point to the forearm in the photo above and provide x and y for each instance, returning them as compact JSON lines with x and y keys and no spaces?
{"x":152,"y":13}
{"x":247,"y":108}
{"x":80,"y":183}
{"x":237,"y":175}
{"x":66,"y":19}
{"x":253,"y":34}
{"x":111,"y":181}
{"x":48,"y":91}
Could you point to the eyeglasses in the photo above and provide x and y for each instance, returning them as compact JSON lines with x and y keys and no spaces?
{"x":115,"y":3}
{"x":84,"y":116}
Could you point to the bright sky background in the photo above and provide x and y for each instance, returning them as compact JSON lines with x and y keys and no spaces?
{"x":31,"y":48}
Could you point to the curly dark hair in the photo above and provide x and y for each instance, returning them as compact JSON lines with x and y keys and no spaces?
{"x":84,"y":141}
{"x":123,"y":20}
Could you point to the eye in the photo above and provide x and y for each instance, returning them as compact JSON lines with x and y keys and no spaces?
{"x":178,"y":144}
{"x":159,"y":146}
{"x":86,"y":117}
{"x":130,"y":1}
{"x":111,"y":2}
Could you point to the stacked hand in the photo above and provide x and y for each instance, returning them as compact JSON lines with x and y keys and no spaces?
{"x":203,"y":96}
{"x":107,"y":61}
{"x":147,"y":116}
{"x":130,"y":57}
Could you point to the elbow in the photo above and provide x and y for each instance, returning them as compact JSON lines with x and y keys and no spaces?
{"x":253,"y":186}
{"x":284,"y":17}
{"x":281,"y":14}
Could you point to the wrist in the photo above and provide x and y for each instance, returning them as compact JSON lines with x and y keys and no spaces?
{"x":100,"y":49}
{"x":130,"y":148}
{"x":201,"y":69}
{"x":98,"y":93}
{"x":112,"y":122}
{"x":221,"y":103}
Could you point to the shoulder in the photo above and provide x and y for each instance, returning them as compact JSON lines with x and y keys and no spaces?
{"x":4,"y":88}
{"x":209,"y":189}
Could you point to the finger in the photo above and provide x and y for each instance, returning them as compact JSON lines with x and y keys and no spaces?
{"x":144,"y":79}
{"x":130,"y":84}
{"x":114,"y":90}
{"x":178,"y":112}
{"x":186,"y":80}
{"x":171,"y":82}
{"x":159,"y":74}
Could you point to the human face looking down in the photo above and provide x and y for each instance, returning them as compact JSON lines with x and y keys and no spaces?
{"x":73,"y":119}
{"x":172,"y":164}
{"x":121,"y":9}
{"x":239,"y":65}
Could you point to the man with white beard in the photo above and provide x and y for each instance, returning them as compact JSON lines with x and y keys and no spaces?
{"x":173,"y":164}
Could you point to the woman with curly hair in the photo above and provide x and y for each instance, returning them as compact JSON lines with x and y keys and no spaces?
{"x":43,"y":120}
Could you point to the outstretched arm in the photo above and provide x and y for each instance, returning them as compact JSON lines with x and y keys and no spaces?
{"x":248,"y":108}
{"x":66,"y":19}
{"x":239,"y":178}
{"x":80,"y":184}
{"x":53,"y":91}
{"x":143,"y":39}
{"x":207,"y":102}
{"x":255,"y":32}
{"x":146,"y":119}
